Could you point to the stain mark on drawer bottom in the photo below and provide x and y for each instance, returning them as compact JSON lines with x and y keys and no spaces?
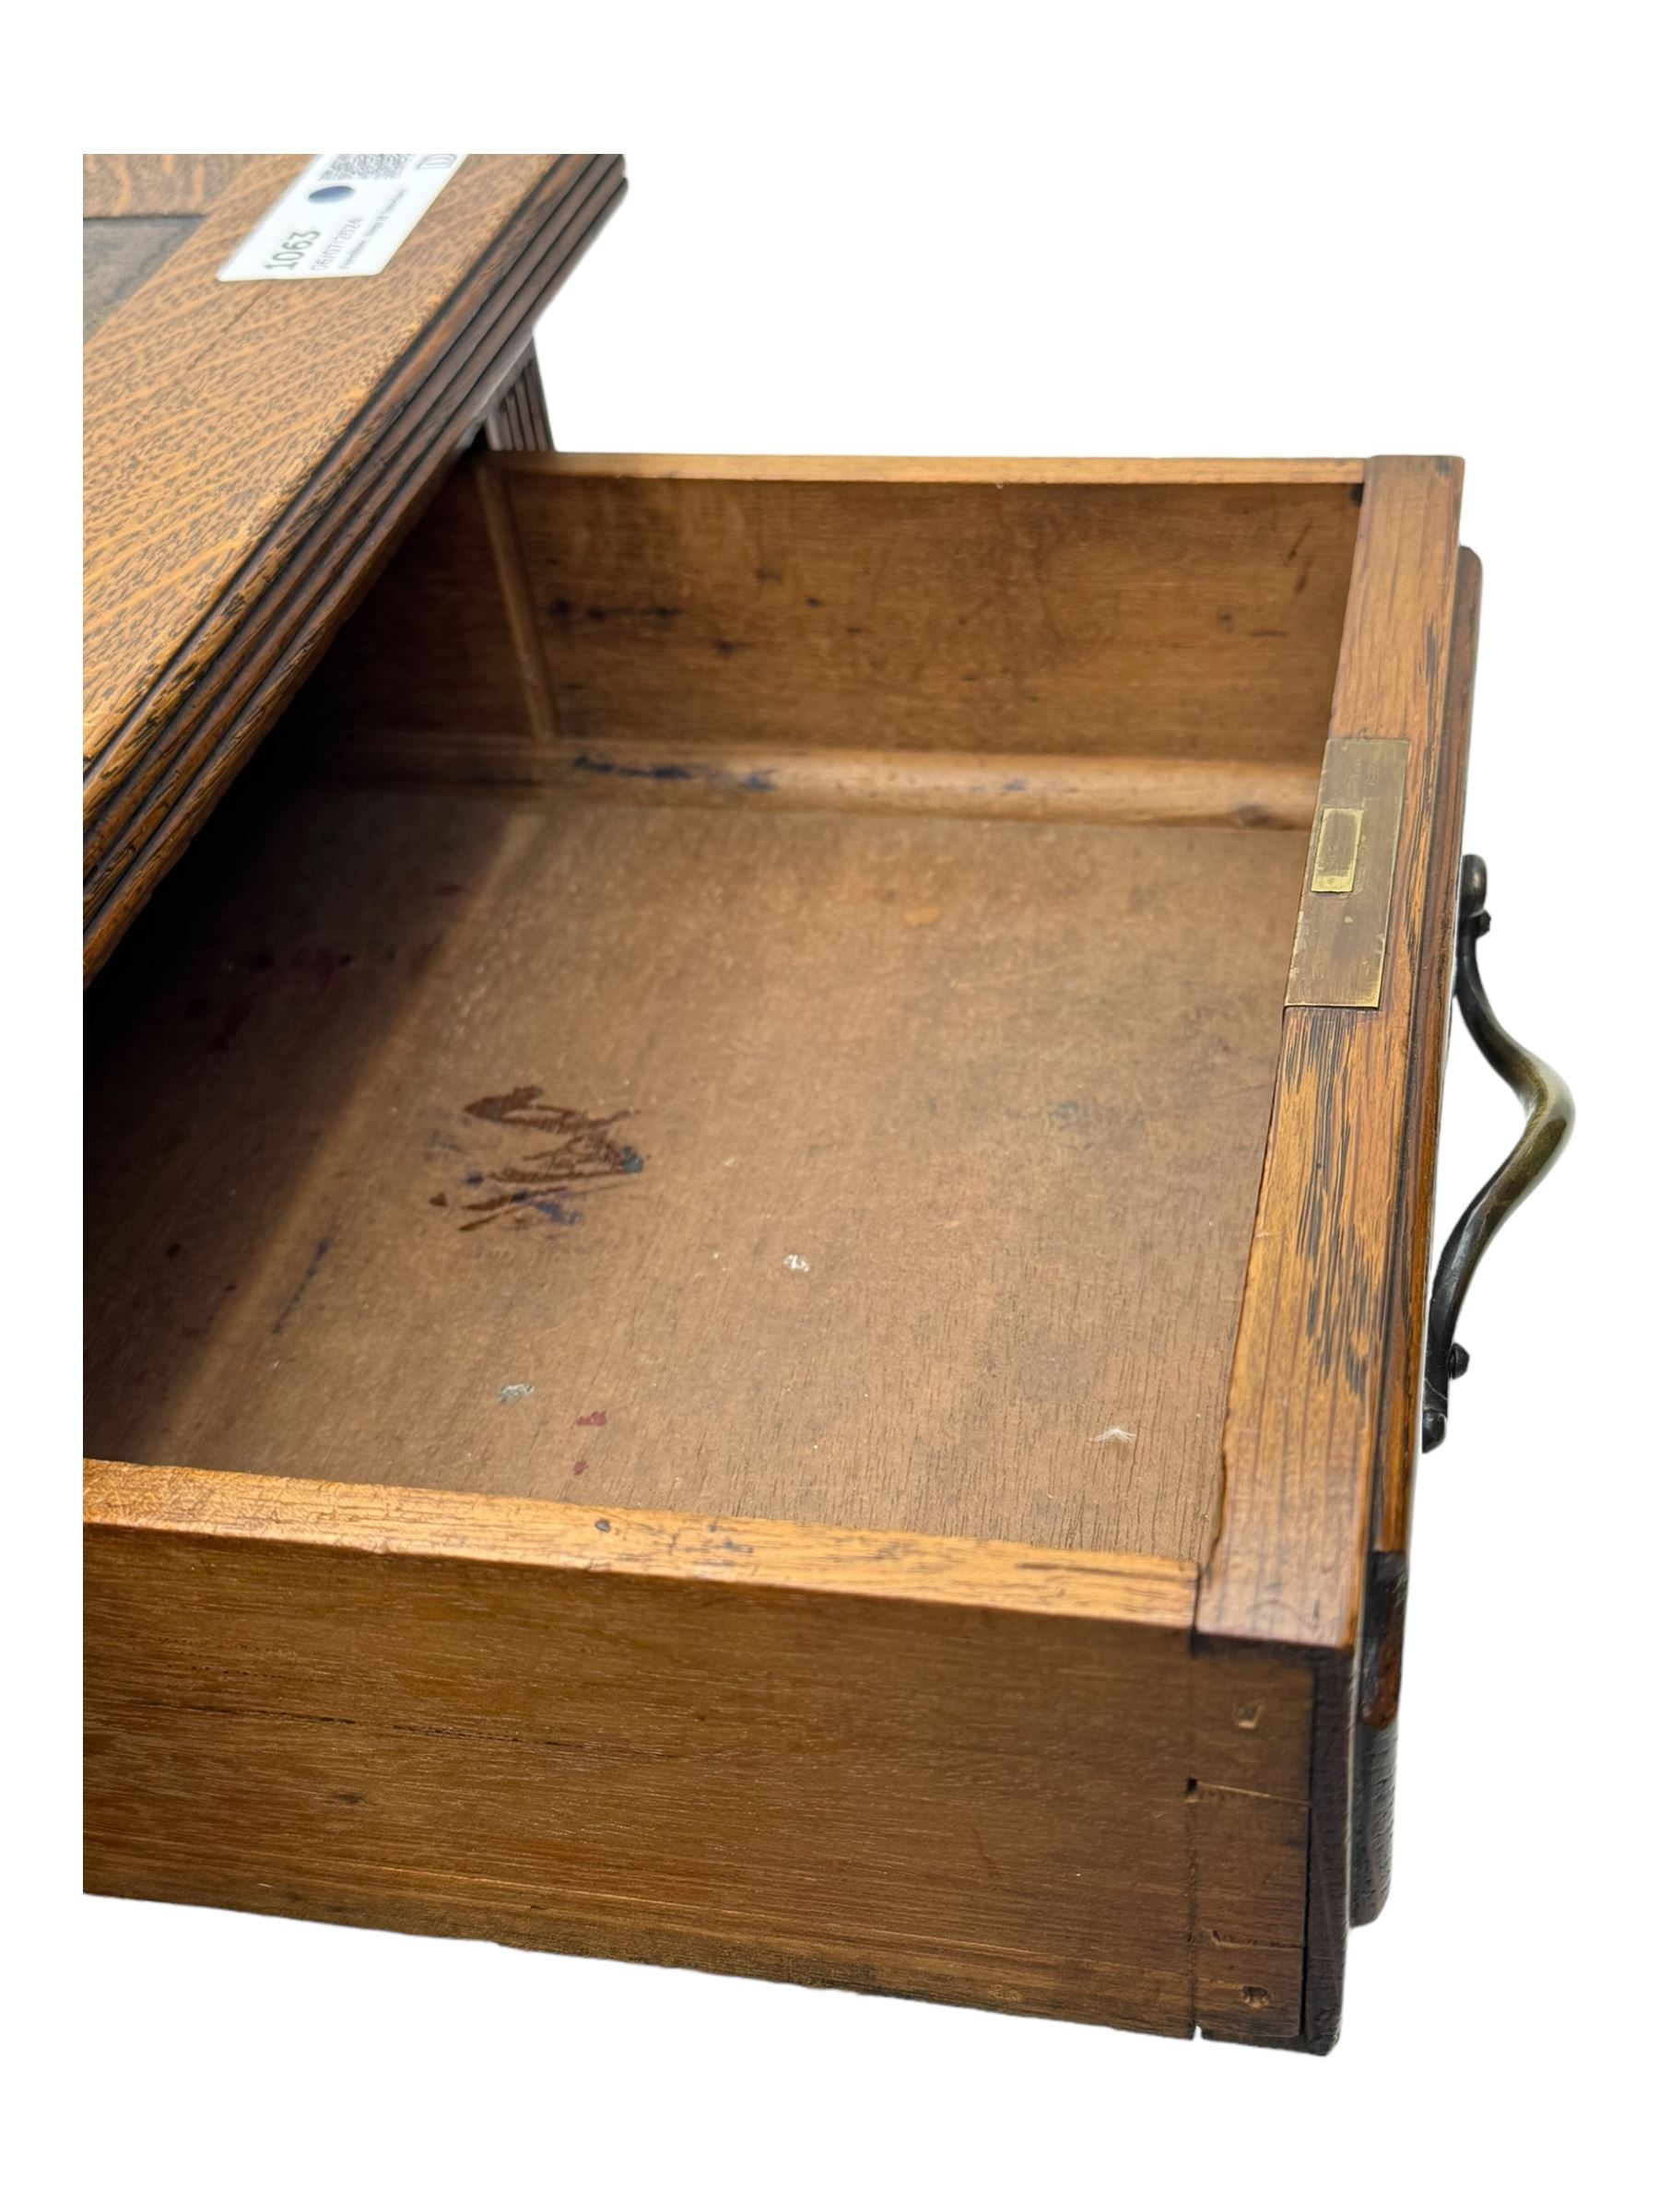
{"x":585,"y":1154}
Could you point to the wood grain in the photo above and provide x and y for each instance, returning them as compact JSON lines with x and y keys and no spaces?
{"x":1376,"y":1746}
{"x":1249,"y":1910}
{"x":910,"y":468}
{"x":1312,"y":1404}
{"x":155,"y":794}
{"x":1128,"y":790}
{"x":1431,"y":1016}
{"x":503,"y":581}
{"x":538,"y":1532}
{"x":908,"y":1163}
{"x":931,"y":1796}
{"x":883,"y":1132}
{"x":966,"y":614}
{"x":1305,"y":1413}
{"x":519,"y":422}
{"x":226,"y":537}
{"x":431,"y":655}
{"x":156,"y":184}
{"x":415,"y":690}
{"x":175,"y":424}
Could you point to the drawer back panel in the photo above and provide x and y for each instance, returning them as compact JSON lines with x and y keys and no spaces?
{"x":959,"y":644}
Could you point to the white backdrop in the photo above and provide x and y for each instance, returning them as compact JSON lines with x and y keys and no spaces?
{"x":1046,"y":230}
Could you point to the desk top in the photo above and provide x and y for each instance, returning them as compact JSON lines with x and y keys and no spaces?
{"x":252,"y":452}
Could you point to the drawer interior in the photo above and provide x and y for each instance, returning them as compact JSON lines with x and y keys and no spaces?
{"x":634,"y":1040}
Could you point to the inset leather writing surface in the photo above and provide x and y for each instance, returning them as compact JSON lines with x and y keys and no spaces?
{"x":119,"y":253}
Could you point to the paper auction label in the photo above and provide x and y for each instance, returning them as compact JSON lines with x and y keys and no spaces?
{"x":344,"y":215}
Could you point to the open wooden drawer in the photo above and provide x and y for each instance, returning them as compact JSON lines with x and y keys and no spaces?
{"x":816,"y":1372}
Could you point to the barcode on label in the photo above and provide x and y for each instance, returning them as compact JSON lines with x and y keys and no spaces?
{"x":345,"y":168}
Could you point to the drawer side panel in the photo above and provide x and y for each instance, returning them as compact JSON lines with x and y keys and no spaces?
{"x":933,"y":1799}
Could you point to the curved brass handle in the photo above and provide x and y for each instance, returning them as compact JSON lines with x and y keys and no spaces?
{"x":1548,"y":1104}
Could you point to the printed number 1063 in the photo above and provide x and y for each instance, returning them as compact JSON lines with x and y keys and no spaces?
{"x":293,"y":251}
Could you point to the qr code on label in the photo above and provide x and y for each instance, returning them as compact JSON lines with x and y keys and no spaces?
{"x":346,"y":168}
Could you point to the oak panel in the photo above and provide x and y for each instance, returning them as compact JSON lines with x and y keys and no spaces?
{"x":1306,"y":1412}
{"x":876,"y":1171}
{"x":1166,"y":619}
{"x":138,"y":186}
{"x":228,"y":536}
{"x":424,"y":1725}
